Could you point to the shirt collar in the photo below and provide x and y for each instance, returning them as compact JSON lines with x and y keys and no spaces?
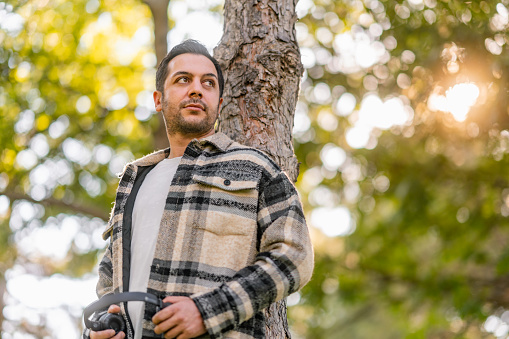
{"x":218,"y":140}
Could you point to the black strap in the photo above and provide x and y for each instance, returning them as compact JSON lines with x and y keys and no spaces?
{"x":127,"y":225}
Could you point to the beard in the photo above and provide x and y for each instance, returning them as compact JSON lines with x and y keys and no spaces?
{"x":177,"y":124}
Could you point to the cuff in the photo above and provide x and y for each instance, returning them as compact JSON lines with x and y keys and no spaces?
{"x":217,"y":312}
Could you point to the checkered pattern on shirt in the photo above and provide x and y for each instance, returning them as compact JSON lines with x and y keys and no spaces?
{"x":232,"y":237}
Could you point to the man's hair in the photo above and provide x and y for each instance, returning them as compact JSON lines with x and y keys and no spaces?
{"x":187,"y":46}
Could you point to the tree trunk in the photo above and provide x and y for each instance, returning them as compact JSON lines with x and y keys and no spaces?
{"x":159,"y":9}
{"x":260,"y":59}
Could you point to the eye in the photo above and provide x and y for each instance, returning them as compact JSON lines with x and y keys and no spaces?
{"x":182,"y":80}
{"x":209,"y":83}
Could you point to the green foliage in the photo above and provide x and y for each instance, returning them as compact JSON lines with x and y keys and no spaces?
{"x":73,"y":73}
{"x":429,"y":246}
{"x":426,"y":252}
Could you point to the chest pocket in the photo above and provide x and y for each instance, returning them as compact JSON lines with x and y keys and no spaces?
{"x":230,"y":202}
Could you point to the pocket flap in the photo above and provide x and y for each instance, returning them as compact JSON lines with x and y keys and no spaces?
{"x":228,"y":183}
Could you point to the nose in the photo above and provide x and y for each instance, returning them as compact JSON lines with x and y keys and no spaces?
{"x":195,"y":89}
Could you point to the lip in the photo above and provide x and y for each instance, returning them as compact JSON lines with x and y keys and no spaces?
{"x":195,"y":107}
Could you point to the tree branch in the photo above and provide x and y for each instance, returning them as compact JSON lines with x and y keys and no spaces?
{"x":77,"y":208}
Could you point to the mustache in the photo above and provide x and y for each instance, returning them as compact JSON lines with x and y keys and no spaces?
{"x":194,"y":101}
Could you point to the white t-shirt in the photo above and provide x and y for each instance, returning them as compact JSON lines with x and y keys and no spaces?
{"x":147,"y":213}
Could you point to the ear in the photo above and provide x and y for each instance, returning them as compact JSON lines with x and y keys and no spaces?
{"x":219,"y":106}
{"x":158,"y":96}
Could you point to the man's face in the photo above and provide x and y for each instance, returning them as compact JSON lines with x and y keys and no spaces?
{"x":190,"y":103}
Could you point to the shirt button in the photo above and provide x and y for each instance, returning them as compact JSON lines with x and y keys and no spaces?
{"x":227,"y":182}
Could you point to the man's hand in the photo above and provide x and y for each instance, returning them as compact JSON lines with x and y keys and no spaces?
{"x":180,"y":320}
{"x":107,"y":334}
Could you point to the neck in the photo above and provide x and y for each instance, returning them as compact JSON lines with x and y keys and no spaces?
{"x":179,"y":142}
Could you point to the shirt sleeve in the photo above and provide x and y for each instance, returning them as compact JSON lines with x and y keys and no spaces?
{"x":105,"y":282}
{"x":283,"y":265}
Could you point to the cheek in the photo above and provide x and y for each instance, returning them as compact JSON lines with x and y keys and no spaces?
{"x":171,"y":98}
{"x":213,"y":100}
{"x":174,"y":93}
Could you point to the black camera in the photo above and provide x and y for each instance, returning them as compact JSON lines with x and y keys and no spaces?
{"x":105,"y":321}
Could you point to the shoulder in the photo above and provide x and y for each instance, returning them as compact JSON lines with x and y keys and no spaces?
{"x":242,"y":155}
{"x":147,"y":160}
{"x":220,"y":154}
{"x":152,"y":158}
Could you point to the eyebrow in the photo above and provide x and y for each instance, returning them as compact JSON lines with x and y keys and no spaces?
{"x":188,"y":73}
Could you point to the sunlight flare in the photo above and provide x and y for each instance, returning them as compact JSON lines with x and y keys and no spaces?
{"x":458,"y":100}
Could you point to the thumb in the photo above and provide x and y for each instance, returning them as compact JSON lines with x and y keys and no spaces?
{"x":114,"y":309}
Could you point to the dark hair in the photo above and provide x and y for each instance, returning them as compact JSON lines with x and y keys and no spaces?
{"x":187,"y":46}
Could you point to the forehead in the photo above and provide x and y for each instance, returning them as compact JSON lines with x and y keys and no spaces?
{"x":195,"y":64}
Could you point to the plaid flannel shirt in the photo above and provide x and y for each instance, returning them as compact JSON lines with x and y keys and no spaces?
{"x":232,"y":237}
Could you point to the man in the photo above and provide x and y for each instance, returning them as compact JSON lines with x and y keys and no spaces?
{"x":212,"y":227}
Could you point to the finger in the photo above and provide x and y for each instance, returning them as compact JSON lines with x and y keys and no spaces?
{"x":102,"y":334}
{"x":114,"y":309}
{"x":165,"y":326}
{"x":163,"y":314}
{"x":175,"y":332}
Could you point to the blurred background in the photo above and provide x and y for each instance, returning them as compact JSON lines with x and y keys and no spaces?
{"x":402,"y":131}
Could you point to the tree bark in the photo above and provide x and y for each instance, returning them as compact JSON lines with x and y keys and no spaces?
{"x":261,"y":62}
{"x":260,"y":58}
{"x":159,"y":9}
